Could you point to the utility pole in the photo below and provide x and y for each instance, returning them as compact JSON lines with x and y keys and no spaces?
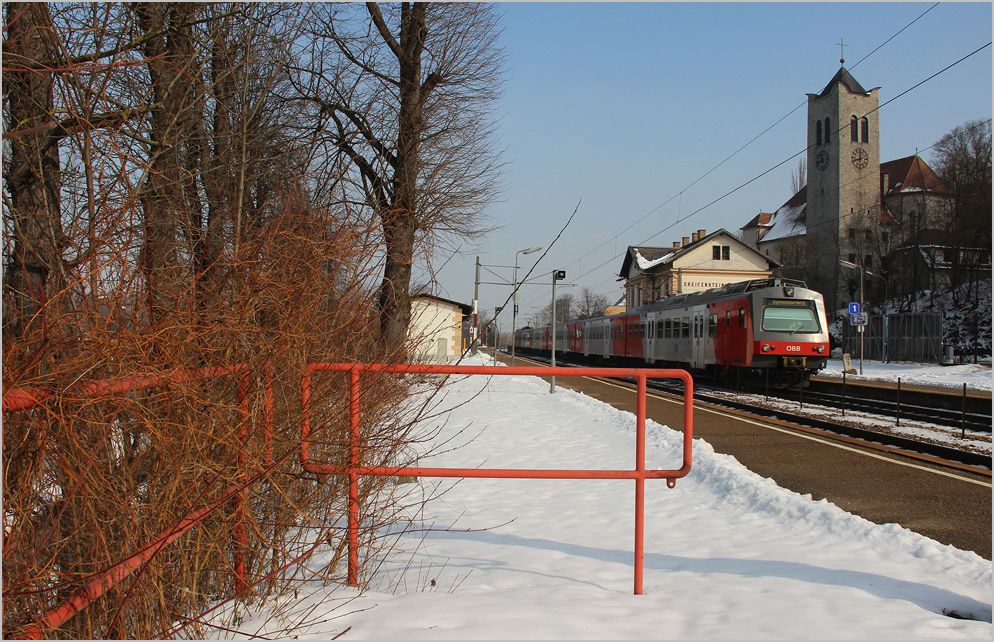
{"x":475,"y":325}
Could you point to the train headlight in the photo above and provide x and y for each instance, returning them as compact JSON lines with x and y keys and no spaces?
{"x":767,"y":347}
{"x":820,"y":349}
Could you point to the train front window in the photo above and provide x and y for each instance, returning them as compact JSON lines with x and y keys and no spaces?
{"x":792,"y":320}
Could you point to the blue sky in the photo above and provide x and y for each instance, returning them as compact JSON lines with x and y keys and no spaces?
{"x":624,"y":105}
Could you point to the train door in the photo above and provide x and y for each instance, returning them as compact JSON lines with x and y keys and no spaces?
{"x":650,"y":338}
{"x":699,"y":342}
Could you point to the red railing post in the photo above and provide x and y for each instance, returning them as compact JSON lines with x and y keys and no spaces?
{"x":639,"y":481}
{"x":267,"y":416}
{"x":305,"y":415}
{"x":353,"y":579}
{"x":239,"y":534}
{"x":354,"y":468}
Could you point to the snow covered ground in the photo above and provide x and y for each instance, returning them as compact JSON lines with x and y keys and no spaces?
{"x":976,"y":377}
{"x":729,"y":554}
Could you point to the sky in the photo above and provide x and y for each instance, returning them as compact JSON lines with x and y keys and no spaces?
{"x":728,"y":554}
{"x":622,"y":108}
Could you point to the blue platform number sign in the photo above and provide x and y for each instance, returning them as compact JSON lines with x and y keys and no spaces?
{"x":854,"y":307}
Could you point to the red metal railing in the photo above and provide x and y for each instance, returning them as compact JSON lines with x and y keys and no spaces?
{"x":20,"y":399}
{"x":354,"y":470}
{"x":27,"y":398}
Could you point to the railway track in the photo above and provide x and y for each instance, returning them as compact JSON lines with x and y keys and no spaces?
{"x":941,"y":416}
{"x":719,"y":397}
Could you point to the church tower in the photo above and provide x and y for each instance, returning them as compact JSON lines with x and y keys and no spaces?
{"x":843,"y":190}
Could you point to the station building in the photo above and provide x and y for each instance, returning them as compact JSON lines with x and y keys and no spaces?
{"x":693,"y":264}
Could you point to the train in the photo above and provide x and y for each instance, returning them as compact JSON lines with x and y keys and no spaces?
{"x":770,"y":330}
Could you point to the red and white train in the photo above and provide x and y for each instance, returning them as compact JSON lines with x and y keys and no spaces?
{"x":774,"y":328}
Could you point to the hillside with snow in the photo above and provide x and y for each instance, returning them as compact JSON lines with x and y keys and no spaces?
{"x":966,"y":317}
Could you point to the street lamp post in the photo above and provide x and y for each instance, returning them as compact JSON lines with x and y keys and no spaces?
{"x":854,"y":266}
{"x":556,"y":275}
{"x":514,"y":284}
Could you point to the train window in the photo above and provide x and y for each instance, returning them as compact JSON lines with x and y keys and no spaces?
{"x":666,"y":329}
{"x":713,"y":326}
{"x":789,"y":319}
{"x":686,"y":327}
{"x":728,"y":318}
{"x":742,"y":317}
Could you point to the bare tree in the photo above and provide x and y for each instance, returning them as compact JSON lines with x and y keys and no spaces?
{"x":402,"y":93}
{"x":159,"y":216}
{"x":963,"y":161}
{"x":799,"y":177}
{"x":565,"y":305}
{"x":36,"y":266}
{"x":590,"y":304}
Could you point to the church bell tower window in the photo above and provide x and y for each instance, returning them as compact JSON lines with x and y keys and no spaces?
{"x":828,"y":129}
{"x":854,"y":129}
{"x":865,"y":129}
{"x":818,"y":132}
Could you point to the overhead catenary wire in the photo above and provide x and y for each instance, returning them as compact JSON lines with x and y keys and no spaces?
{"x":736,"y":152}
{"x":844,"y":216}
{"x":791,"y":157}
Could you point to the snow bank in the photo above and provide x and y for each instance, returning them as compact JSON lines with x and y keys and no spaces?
{"x":729,"y":554}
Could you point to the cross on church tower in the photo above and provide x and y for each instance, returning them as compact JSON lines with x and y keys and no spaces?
{"x":842,"y":54}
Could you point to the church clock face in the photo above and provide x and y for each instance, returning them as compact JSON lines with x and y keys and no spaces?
{"x":821,"y":160}
{"x":859,"y":158}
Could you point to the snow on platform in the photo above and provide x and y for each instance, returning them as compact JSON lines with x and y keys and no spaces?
{"x":729,"y":554}
{"x":975,"y":376}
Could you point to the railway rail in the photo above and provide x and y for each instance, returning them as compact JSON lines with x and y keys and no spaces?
{"x":712,"y":395}
{"x":972,"y":420}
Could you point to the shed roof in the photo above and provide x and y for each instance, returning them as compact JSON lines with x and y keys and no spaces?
{"x":464,"y":307}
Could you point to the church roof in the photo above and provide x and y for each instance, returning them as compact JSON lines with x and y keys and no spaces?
{"x":904,"y":175}
{"x":843,"y":76}
{"x":763,"y":219}
{"x":909,"y":174}
{"x":790,"y":219}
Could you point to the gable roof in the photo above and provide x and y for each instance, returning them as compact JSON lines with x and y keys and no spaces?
{"x":666,"y":256}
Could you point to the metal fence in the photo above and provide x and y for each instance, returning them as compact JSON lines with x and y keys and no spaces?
{"x":910,"y":336}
